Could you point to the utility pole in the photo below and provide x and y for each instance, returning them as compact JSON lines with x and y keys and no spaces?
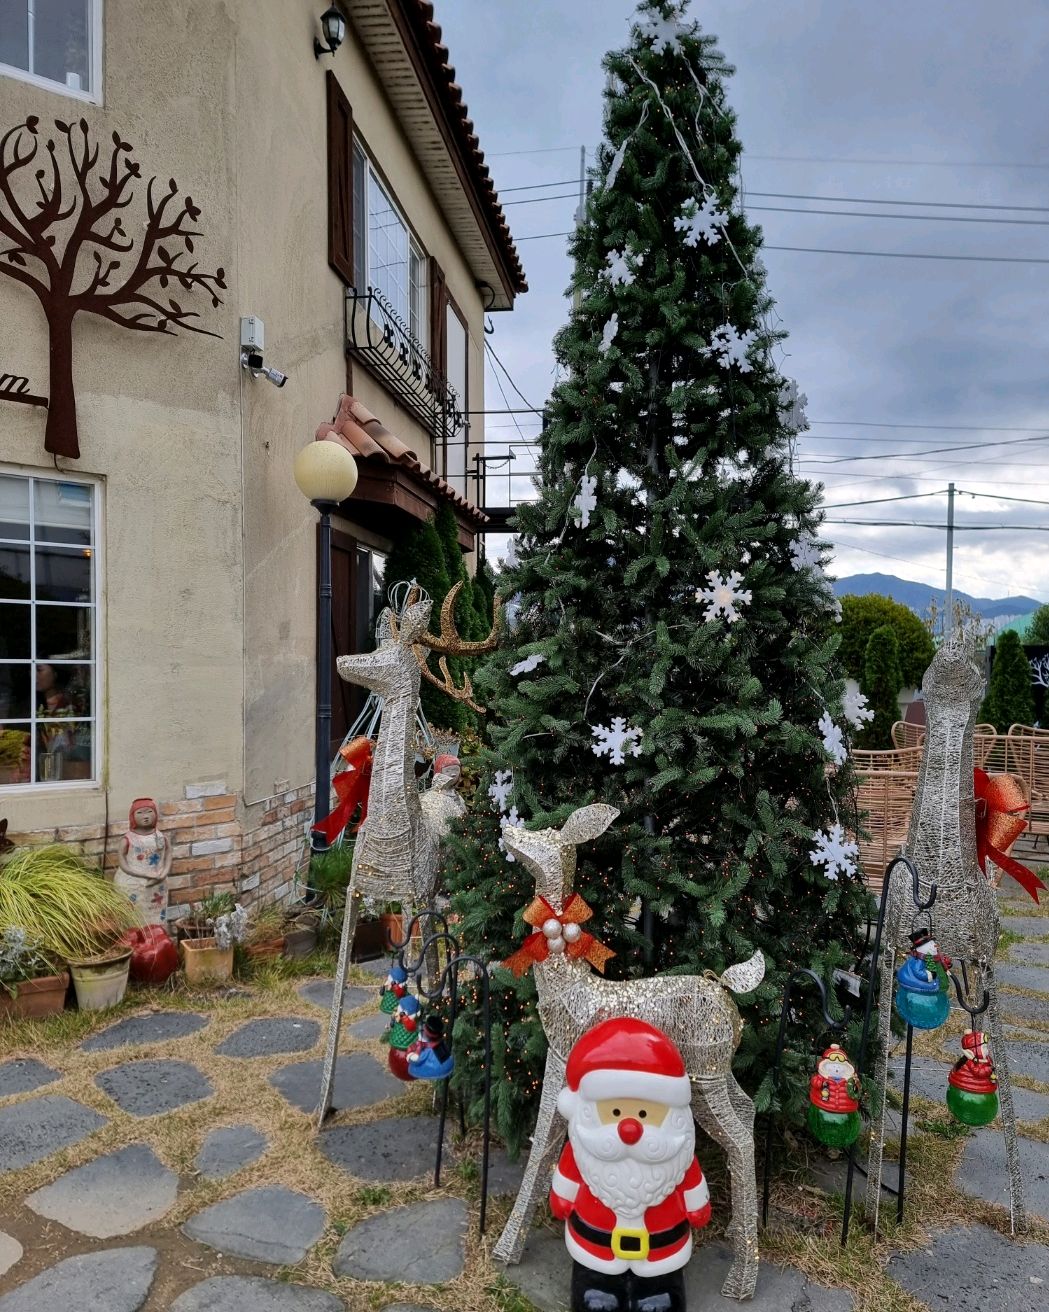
{"x":948,"y":601}
{"x":577,"y":295}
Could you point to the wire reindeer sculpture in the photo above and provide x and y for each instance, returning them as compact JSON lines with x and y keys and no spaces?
{"x":695,"y":1011}
{"x":396,"y":849}
{"x":941,"y":844}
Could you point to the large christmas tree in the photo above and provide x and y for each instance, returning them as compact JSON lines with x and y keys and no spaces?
{"x":674,"y":647}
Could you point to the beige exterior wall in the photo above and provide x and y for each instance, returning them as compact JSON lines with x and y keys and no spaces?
{"x":208,"y":572}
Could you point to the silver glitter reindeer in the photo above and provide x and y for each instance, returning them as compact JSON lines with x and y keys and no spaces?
{"x":693,"y":1010}
{"x":941,"y":842}
{"x":396,"y":849}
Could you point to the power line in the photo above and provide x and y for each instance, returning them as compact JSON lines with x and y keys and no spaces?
{"x":567,"y":195}
{"x":895,"y":255}
{"x":492,"y":352}
{"x":950,"y":428}
{"x":906,"y":163}
{"x":538,"y":186}
{"x":992,"y":496}
{"x":932,"y":451}
{"x":917,"y":564}
{"x":879,"y":501}
{"x":870,"y":214}
{"x":877,"y":200}
{"x":958,"y":528}
{"x":542,"y":150}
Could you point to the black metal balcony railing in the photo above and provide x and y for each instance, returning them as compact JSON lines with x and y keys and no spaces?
{"x":377,"y":334}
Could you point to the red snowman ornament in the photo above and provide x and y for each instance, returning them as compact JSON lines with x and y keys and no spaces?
{"x":628,"y":1185}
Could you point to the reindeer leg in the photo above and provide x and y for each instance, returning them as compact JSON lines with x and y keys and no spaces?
{"x":881,"y":1075}
{"x":1017,"y":1210}
{"x":331,"y":1052}
{"x":727,"y":1115}
{"x":546,"y":1144}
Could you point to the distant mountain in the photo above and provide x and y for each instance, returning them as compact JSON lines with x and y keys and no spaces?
{"x":918,"y":595}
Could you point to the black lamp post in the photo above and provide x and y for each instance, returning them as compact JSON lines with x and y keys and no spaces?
{"x":326,"y":474}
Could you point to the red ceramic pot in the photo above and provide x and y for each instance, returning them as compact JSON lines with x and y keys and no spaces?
{"x":154,"y":958}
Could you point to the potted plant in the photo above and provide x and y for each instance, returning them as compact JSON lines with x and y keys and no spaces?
{"x":369,"y":935}
{"x":392,"y":921}
{"x":329,"y":880}
{"x":30,"y":984}
{"x":264,"y":937}
{"x":72,"y":913}
{"x":301,"y":929}
{"x":210,"y":930}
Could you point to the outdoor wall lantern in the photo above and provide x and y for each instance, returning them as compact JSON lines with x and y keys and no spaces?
{"x":326,"y":474}
{"x":333,"y":25}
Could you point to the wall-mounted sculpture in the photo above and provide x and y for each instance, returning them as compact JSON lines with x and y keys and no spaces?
{"x":941,"y":842}
{"x":395,"y":852}
{"x":694,"y":1011}
{"x":63,"y":236}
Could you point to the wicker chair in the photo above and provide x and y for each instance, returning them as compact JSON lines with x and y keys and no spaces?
{"x":885,"y":787}
{"x":905,"y":734}
{"x":990,"y":749}
{"x":1028,"y":757}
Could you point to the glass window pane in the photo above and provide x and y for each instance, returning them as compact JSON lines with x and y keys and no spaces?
{"x":15,"y":754}
{"x":14,"y":33}
{"x":16,"y":700}
{"x":62,"y":512}
{"x":387,"y":250}
{"x":62,"y":42}
{"x":63,"y":632}
{"x":64,"y":574}
{"x":62,"y":689}
{"x":63,"y":750}
{"x":14,"y":572}
{"x":16,"y":627}
{"x":14,"y":502}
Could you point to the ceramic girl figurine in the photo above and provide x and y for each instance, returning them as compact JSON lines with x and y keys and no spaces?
{"x":145,"y":862}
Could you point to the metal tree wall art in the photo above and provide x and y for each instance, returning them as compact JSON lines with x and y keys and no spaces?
{"x":65,"y":239}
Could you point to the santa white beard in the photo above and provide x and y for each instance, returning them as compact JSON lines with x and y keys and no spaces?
{"x":630,"y":1178}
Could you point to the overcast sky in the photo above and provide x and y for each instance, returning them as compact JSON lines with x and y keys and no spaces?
{"x":893,"y":101}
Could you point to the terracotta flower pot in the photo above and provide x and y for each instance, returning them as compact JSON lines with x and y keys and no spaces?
{"x":101,"y":982}
{"x":266,"y":951}
{"x":300,"y":941}
{"x":205,"y":962}
{"x":392,"y":927}
{"x":45,"y":996}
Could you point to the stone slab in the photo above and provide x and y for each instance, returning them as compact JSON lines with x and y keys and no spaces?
{"x":375,"y":1249}
{"x":33,"y":1130}
{"x":379,"y":967}
{"x":229,"y":1149}
{"x":928,"y":1077}
{"x":1023,"y":977}
{"x":982,"y":1172}
{"x":254,"y":1294}
{"x":1018,"y":1005}
{"x":148,"y":1088}
{"x":10,"y":1252}
{"x":1030,"y":953}
{"x":269,"y":1036}
{"x":112,"y":1195}
{"x":160,"y":1027}
{"x":1028,"y":926}
{"x":272,"y":1224}
{"x":974,"y":1269}
{"x":1030,"y":1059}
{"x":24,"y":1074}
{"x":370,"y":1027}
{"x":545,"y":1272}
{"x":407,"y":1307}
{"x":114,"y":1280}
{"x":359,"y":1082}
{"x":504,"y":1175}
{"x":395,"y":1148}
{"x":319,"y":992}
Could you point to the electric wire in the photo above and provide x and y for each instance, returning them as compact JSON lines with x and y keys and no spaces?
{"x":493,"y":353}
{"x":878,"y":200}
{"x":869,"y":214}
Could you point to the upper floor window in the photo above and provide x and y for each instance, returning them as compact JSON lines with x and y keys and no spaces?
{"x":54,"y":44}
{"x":385,"y":254}
{"x":48,"y":630}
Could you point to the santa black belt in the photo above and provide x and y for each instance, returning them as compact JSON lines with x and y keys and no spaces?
{"x":657,"y":1239}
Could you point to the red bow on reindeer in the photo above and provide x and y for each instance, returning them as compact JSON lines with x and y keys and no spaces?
{"x":1000,"y":808}
{"x":558,"y":932}
{"x":351,"y":788}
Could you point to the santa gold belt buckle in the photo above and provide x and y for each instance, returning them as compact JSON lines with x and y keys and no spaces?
{"x":630,"y":1245}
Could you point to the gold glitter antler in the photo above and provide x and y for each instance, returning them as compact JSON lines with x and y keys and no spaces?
{"x":449,"y":643}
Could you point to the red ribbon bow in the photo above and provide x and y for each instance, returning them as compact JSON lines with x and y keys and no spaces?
{"x":536,"y":947}
{"x":1000,"y":808}
{"x":351,"y":788}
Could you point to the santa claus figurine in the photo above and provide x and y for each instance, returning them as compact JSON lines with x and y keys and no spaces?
{"x":972,"y":1085}
{"x":834,"y":1116}
{"x":628,"y":1185}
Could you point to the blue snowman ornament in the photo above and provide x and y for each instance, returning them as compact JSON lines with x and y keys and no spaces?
{"x":922,"y":984}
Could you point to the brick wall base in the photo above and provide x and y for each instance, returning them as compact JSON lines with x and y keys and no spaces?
{"x":216,"y":843}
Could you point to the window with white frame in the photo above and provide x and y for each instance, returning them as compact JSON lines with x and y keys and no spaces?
{"x":386,"y":255}
{"x":54,"y":43}
{"x":48,"y":630}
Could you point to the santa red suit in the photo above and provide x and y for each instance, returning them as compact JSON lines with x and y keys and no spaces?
{"x":628,"y":1189}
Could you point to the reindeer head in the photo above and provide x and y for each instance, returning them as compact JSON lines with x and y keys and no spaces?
{"x":549,"y":854}
{"x":952,"y":684}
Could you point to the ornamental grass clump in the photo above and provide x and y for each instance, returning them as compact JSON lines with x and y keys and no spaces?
{"x":65,"y":906}
{"x":21,"y":960}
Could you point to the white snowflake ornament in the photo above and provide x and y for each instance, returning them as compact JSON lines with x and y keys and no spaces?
{"x":833,"y":739}
{"x":529,"y":664}
{"x":724,"y":596}
{"x":665,"y":33}
{"x":854,"y":708}
{"x":730,"y":347}
{"x":512,"y":819}
{"x":702,"y":223}
{"x":805,"y":553}
{"x":500,"y":788}
{"x":620,"y":272}
{"x":835,"y":852}
{"x":792,"y":405}
{"x":608,"y":333}
{"x":585,"y":500}
{"x":616,"y":741}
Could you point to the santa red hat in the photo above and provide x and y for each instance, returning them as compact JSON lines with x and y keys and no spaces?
{"x":625,"y":1058}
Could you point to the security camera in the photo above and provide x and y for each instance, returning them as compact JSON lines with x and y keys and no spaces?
{"x":252,"y":338}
